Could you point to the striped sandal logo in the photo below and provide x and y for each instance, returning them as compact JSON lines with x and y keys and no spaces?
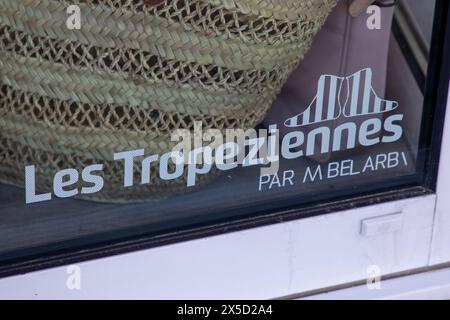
{"x":360,"y":99}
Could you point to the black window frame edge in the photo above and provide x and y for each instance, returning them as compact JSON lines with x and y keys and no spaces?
{"x":437,"y":86}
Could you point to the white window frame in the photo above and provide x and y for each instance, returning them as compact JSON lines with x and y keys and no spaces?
{"x":440,"y":251}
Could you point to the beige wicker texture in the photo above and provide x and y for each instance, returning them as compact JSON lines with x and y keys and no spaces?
{"x":135,"y":73}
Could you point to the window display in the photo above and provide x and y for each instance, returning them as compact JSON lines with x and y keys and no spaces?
{"x":121,"y":119}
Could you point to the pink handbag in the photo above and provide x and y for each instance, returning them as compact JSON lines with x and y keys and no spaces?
{"x":345,"y":56}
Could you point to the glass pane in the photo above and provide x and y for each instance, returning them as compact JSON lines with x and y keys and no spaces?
{"x":200,"y":112}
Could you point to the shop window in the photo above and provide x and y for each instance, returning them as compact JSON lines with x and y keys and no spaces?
{"x":223,"y":117}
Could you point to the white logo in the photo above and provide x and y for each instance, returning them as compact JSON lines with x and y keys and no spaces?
{"x":342,"y":96}
{"x":73,"y":22}
{"x":74,"y":279}
{"x":337,"y":97}
{"x":374,"y":20}
{"x":374,"y":277}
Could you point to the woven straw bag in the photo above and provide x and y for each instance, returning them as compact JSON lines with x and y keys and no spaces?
{"x":134,"y":73}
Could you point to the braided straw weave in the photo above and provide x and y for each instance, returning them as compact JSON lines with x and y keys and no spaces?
{"x":134,"y":73}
